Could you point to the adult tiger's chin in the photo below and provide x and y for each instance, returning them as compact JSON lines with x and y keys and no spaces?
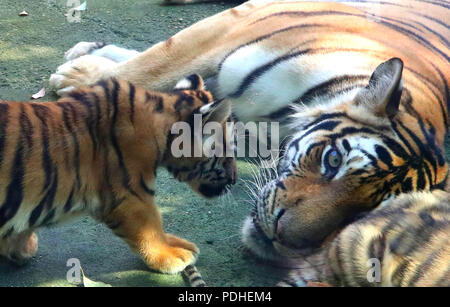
{"x":257,"y":243}
{"x":260,"y":245}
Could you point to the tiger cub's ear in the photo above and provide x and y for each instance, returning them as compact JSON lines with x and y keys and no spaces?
{"x":192,"y":82}
{"x":383,"y":93}
{"x":217,"y":111}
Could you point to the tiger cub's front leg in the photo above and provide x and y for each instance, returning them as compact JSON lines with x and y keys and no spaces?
{"x":139,"y":223}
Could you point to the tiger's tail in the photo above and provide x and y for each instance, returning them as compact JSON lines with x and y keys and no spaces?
{"x":193,"y":276}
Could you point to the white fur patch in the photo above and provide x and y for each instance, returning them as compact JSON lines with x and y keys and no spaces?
{"x":183,"y":84}
{"x":117,"y":54}
{"x":285,"y":82}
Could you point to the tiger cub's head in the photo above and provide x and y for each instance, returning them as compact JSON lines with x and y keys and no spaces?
{"x":345,"y":159}
{"x":201,"y":148}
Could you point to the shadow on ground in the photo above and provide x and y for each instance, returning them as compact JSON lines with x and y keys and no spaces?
{"x":30,"y":50}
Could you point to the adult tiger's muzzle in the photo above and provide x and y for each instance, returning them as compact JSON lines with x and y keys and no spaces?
{"x":294,"y":222}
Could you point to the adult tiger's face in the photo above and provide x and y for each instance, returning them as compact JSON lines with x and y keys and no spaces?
{"x":343,"y":162}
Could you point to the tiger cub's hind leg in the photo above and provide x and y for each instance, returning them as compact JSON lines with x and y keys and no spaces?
{"x":19,"y":248}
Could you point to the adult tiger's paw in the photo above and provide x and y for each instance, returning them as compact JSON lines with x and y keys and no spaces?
{"x":20,"y":248}
{"x":85,"y":70}
{"x":82,"y":48}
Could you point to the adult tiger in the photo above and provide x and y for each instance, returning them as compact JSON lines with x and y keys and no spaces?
{"x":95,"y":152}
{"x":404,"y":243}
{"x":361,"y":131}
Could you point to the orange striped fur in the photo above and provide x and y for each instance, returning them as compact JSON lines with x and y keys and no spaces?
{"x":409,"y":239}
{"x":311,"y":65}
{"x":96,"y":152}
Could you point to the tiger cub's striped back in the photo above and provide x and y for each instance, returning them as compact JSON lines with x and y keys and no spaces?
{"x":96,"y":152}
{"x":405,"y":243}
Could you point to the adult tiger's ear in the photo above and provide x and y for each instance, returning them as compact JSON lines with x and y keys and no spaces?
{"x":192,"y":82}
{"x":217,"y":111}
{"x":383,"y":93}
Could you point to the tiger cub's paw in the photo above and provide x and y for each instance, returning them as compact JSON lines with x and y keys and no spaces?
{"x":175,"y":241}
{"x":85,"y":70}
{"x":82,"y":48}
{"x":174,"y":259}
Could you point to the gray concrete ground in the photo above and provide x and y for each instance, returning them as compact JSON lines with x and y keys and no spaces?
{"x":30,"y":49}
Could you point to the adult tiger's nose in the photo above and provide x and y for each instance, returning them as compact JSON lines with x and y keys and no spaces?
{"x":277,"y":223}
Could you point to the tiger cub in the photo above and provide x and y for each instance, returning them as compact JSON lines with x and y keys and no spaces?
{"x":403,"y":244}
{"x":95,"y":152}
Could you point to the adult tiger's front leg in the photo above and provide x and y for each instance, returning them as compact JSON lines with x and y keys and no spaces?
{"x":197,"y":49}
{"x":139,"y":223}
{"x":19,"y":248}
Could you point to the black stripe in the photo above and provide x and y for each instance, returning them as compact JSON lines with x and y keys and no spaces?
{"x":426,"y":81}
{"x":98,"y":109}
{"x":258,"y":72}
{"x":14,"y":194}
{"x":46,"y":202}
{"x":435,"y":3}
{"x":325,"y":117}
{"x":26,"y":128}
{"x":444,"y":281}
{"x":425,"y":151}
{"x":407,"y":185}
{"x":314,"y":145}
{"x":194,"y":80}
{"x":442,"y":38}
{"x":69,"y":117}
{"x":444,"y":81}
{"x":8,"y":233}
{"x":421,"y":270}
{"x":182,"y":101}
{"x":424,"y":42}
{"x":196,"y":278}
{"x":49,"y":217}
{"x":346,"y":146}
{"x":329,"y":87}
{"x":384,"y":155}
{"x":131,"y":98}
{"x":402,"y":137}
{"x":326,"y":125}
{"x":42,"y":113}
{"x":398,"y":275}
{"x":105,"y":85}
{"x":4,"y":120}
{"x":433,"y":19}
{"x":69,"y":202}
{"x":269,"y":35}
{"x":90,"y":120}
{"x":146,"y":188}
{"x":114,"y":140}
{"x":159,"y":105}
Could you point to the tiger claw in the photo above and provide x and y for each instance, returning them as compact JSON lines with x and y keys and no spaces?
{"x":85,"y":70}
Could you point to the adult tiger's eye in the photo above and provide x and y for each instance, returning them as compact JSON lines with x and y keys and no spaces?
{"x":334,"y":159}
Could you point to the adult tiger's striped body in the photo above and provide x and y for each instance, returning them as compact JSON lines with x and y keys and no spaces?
{"x":96,"y":152}
{"x":361,"y":131}
{"x":405,"y":243}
